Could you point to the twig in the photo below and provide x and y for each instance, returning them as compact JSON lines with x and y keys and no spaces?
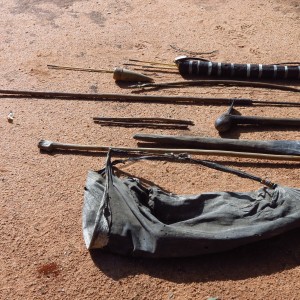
{"x":153,"y":67}
{"x":54,"y":67}
{"x":192,"y":52}
{"x":148,"y":120}
{"x":143,"y":125}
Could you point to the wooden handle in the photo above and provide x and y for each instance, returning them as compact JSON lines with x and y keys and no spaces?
{"x":226,"y":121}
{"x":197,"y":67}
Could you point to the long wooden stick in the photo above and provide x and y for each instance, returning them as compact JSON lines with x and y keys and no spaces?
{"x":130,"y":97}
{"x":209,"y":82}
{"x":154,"y":63}
{"x":148,"y":120}
{"x":142,"y":98}
{"x":143,"y":125}
{"x":144,"y":122}
{"x":285,"y":147}
{"x":119,"y":74}
{"x":153,"y":67}
{"x":50,"y":146}
{"x":54,"y":67}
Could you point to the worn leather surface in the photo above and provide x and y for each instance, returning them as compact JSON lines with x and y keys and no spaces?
{"x":124,"y":217}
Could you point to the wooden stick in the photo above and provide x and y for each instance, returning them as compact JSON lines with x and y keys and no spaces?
{"x":54,"y":67}
{"x":143,"y":125}
{"x":209,"y":82}
{"x":285,"y":147}
{"x":119,"y":74}
{"x":50,"y":146}
{"x":154,"y":62}
{"x":153,"y":120}
{"x":152,"y":67}
{"x":130,"y":97}
{"x":226,"y":121}
{"x":142,"y":98}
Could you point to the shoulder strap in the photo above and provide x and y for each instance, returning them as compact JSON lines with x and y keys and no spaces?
{"x":187,"y":158}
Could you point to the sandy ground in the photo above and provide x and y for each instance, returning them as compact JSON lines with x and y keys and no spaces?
{"x":43,"y":255}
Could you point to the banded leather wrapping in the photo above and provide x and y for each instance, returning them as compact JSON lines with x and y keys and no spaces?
{"x":252,"y":71}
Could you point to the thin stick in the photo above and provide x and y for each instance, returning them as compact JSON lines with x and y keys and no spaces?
{"x":204,"y":82}
{"x":154,"y":120}
{"x":153,"y":67}
{"x":125,"y":97}
{"x":293,"y":63}
{"x":192,"y":52}
{"x":143,"y":98}
{"x":49,"y":146}
{"x":144,"y":69}
{"x":78,"y":69}
{"x":152,"y":62}
{"x":143,"y":125}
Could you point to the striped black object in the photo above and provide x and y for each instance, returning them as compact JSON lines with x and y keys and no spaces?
{"x":200,"y":67}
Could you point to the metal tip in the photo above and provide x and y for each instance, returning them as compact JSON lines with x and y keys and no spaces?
{"x":121,"y":74}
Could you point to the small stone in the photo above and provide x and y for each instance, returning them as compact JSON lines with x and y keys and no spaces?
{"x":10,"y":117}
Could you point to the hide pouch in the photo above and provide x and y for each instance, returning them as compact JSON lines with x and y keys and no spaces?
{"x":123,"y":216}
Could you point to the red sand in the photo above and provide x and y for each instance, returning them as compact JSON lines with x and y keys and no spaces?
{"x":42,"y":251}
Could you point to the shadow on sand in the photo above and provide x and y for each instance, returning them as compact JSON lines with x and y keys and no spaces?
{"x":253,"y":260}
